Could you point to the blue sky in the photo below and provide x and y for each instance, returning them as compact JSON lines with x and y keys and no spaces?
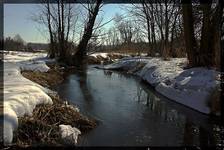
{"x":17,"y":20}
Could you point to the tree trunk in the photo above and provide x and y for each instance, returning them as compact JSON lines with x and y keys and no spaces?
{"x":210,"y":46}
{"x":216,"y":39}
{"x":146,"y":13}
{"x":153,"y":30}
{"x":190,"y":42}
{"x":149,"y":38}
{"x":165,"y":51}
{"x":61,"y":35}
{"x":60,"y":49}
{"x":79,"y":57}
{"x":205,"y":49}
{"x":51,"y":52}
{"x":172,"y":35}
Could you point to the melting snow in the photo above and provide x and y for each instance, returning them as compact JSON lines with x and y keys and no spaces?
{"x":20,"y":94}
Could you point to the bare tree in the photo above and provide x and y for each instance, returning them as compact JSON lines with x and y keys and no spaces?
{"x":165,"y":14}
{"x":210,"y":44}
{"x":52,"y":41}
{"x":113,"y":37}
{"x":190,"y":41}
{"x":93,"y":9}
{"x":126,"y":29}
{"x":160,"y":22}
{"x":59,"y":20}
{"x":144,"y":16}
{"x":208,"y":54}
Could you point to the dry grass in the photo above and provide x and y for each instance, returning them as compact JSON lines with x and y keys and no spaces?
{"x":47,"y":79}
{"x":63,"y":114}
{"x":41,"y":129}
{"x":35,"y":132}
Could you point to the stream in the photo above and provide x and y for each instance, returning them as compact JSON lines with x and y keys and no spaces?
{"x":132,"y":113}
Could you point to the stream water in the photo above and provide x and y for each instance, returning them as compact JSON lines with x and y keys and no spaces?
{"x":131,"y":113}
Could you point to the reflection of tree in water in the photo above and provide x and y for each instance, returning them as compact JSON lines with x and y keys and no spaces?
{"x":150,"y":100}
{"x":139,"y":94}
{"x":203,"y":137}
{"x":197,"y":135}
{"x":218,"y":134}
{"x":107,"y":73}
{"x":82,"y":73}
{"x":188,"y":138}
{"x":192,"y":134}
{"x":211,"y":138}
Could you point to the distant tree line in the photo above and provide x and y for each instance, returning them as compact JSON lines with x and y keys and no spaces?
{"x":18,"y":44}
{"x":15,"y":43}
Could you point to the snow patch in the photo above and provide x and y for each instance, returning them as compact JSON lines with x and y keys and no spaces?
{"x":192,"y":88}
{"x":20,"y":94}
{"x":104,"y":55}
{"x":17,"y":56}
{"x":69,"y":134}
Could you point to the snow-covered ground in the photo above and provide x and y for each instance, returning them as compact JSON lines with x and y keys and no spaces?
{"x":191,"y":87}
{"x":17,"y":56}
{"x":105,"y":55}
{"x":20,"y":94}
{"x":28,"y":60}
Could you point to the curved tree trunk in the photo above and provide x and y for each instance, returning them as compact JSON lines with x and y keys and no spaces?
{"x":79,"y":56}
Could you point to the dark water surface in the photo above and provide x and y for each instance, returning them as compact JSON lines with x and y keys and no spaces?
{"x":132,"y":114}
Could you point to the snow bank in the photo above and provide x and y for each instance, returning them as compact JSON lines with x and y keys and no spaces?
{"x":157,"y":70}
{"x":20,"y":98}
{"x":106,"y":55}
{"x":35,"y":66}
{"x":126,"y":63}
{"x":16,"y":56}
{"x":20,"y":94}
{"x":28,"y":60}
{"x":69,"y":134}
{"x":191,"y":87}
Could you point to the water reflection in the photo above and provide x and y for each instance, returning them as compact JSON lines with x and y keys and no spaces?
{"x":193,"y":134}
{"x":107,"y":73}
{"x":189,"y":135}
{"x":82,"y":74}
{"x":132,"y":113}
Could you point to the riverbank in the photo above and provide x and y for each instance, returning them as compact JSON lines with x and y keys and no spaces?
{"x":197,"y":88}
{"x":33,"y":113}
{"x":105,"y":58}
{"x":60,"y":112}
